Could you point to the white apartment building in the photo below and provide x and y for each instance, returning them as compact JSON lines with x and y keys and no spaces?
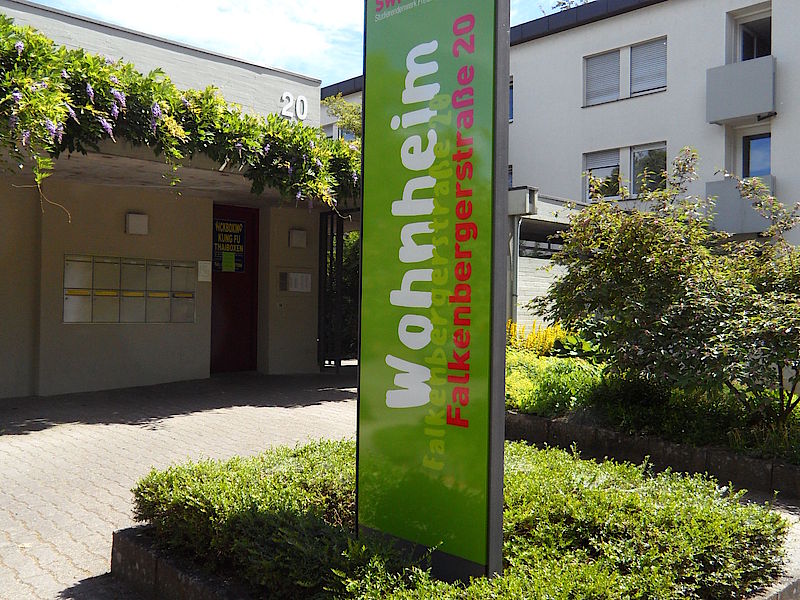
{"x":602,"y":87}
{"x":616,"y":86}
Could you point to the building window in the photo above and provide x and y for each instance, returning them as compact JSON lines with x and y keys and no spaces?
{"x":603,"y":169}
{"x":511,"y":100}
{"x":345,"y":135}
{"x":648,"y":166}
{"x":755,"y":38}
{"x":510,"y":176}
{"x":602,"y":78}
{"x":649,"y":66}
{"x":756,"y":155}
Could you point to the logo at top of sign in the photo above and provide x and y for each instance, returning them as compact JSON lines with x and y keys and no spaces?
{"x":381,"y":4}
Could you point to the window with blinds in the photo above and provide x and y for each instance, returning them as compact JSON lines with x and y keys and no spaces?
{"x":602,"y":78}
{"x":649,"y":66}
{"x":602,"y":169}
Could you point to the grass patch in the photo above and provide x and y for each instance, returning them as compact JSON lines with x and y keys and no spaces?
{"x":283,"y":522}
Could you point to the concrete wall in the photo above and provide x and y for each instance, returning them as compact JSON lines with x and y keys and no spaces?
{"x":535,"y":277}
{"x":256,"y":88}
{"x":292,"y":316}
{"x":19,"y":287}
{"x":91,"y":356}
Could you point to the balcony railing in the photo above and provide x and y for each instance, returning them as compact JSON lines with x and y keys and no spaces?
{"x":741,"y":92}
{"x":735,"y":214}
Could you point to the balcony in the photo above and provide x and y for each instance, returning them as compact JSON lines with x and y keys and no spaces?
{"x":734,"y":214}
{"x":741,"y":92}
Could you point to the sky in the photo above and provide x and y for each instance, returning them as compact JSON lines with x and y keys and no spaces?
{"x":321,"y":39}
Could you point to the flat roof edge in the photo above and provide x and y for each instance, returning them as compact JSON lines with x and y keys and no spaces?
{"x":564,"y":20}
{"x":180,"y":45}
{"x":571,"y":18}
{"x":345,"y":88}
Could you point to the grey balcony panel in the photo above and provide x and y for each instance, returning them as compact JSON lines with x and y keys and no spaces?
{"x":734,"y":214}
{"x":740,"y":91}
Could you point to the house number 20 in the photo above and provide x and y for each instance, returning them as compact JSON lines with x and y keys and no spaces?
{"x":292,"y":108}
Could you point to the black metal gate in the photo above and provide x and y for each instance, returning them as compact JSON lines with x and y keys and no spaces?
{"x":338,"y":294}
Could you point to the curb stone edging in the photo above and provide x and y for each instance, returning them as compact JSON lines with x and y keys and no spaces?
{"x":138,"y":563}
{"x":743,"y":471}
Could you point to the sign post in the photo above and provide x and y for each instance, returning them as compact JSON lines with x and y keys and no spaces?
{"x":433,"y":301}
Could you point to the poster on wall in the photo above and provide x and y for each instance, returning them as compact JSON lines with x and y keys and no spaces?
{"x":429,"y":441}
{"x":229,"y":239}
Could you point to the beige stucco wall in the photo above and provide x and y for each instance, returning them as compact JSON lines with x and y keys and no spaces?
{"x":19,"y":287}
{"x":80,"y":357}
{"x":292,"y":316}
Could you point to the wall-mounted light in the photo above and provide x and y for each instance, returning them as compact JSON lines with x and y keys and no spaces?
{"x":136,"y":224}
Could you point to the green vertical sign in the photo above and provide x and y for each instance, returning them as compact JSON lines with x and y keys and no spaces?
{"x":425,"y":391}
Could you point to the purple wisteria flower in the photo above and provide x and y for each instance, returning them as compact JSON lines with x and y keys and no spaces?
{"x":266,"y":149}
{"x":16,"y":96}
{"x":238,"y":146}
{"x":113,"y":79}
{"x":13,"y":120}
{"x":114,"y":110}
{"x":106,"y":127}
{"x":51,"y":128}
{"x":64,"y":74}
{"x":118,"y":96}
{"x":311,"y":144}
{"x":19,"y":47}
{"x":185,"y":102}
{"x":72,"y":115}
{"x":26,"y":137}
{"x":299,"y":195}
{"x":60,"y":132}
{"x":90,"y":92}
{"x":355,"y":177}
{"x":319,"y":163}
{"x":290,"y":170}
{"x":155,"y":112}
{"x":108,"y":61}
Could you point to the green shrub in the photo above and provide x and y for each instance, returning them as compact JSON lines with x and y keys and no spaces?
{"x":548,"y":385}
{"x":693,"y":416}
{"x":283,"y":522}
{"x":661,"y":293}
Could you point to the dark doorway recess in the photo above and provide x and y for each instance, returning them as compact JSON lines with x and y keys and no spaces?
{"x":339,"y":264}
{"x":234,"y":285}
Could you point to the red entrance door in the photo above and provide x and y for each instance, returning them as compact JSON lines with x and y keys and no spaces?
{"x":234,"y":289}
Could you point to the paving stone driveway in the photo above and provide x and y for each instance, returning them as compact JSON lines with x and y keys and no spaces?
{"x":67,"y":463}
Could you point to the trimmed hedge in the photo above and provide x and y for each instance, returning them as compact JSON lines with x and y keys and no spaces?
{"x":283,"y":522}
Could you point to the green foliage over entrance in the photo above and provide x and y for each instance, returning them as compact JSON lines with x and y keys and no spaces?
{"x":55,"y":100}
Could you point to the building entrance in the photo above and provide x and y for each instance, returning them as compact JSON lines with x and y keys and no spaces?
{"x":234,"y":295}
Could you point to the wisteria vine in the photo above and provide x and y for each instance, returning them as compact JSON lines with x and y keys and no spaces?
{"x":55,"y":100}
